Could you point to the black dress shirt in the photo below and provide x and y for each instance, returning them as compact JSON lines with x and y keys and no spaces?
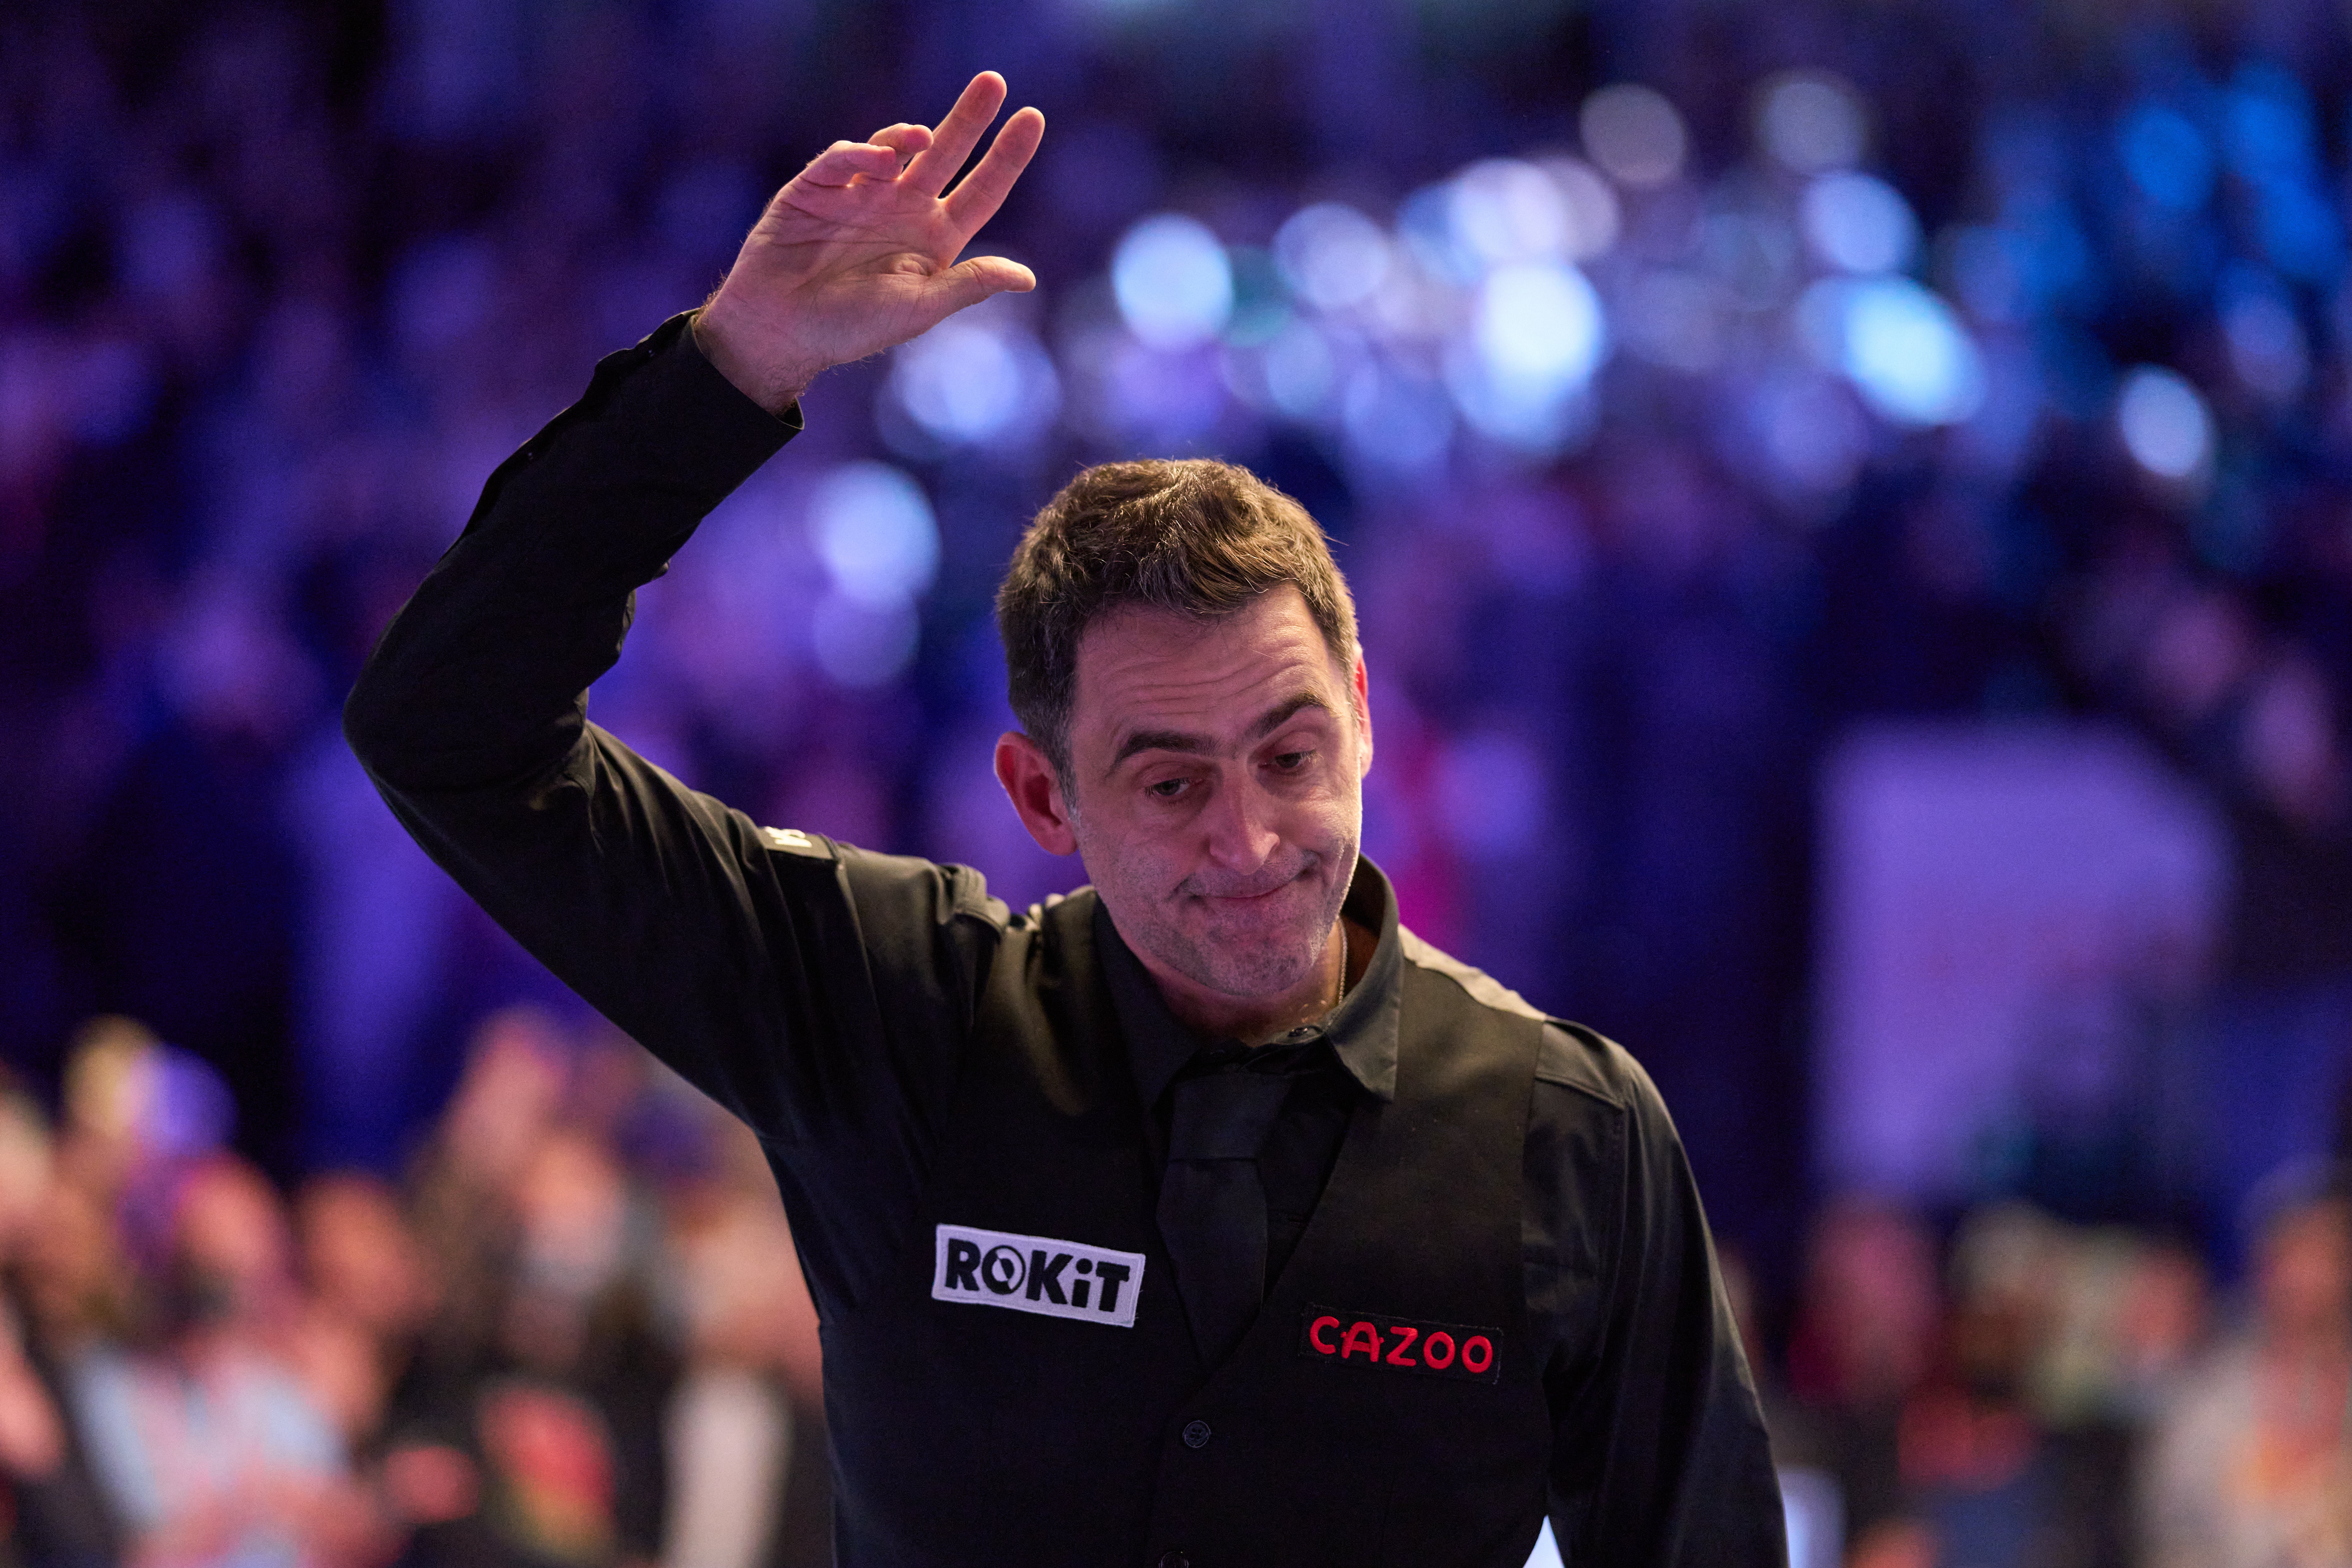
{"x":822,"y":992}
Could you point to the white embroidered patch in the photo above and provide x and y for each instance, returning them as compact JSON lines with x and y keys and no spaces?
{"x":792,"y":841}
{"x":1036,"y":1274}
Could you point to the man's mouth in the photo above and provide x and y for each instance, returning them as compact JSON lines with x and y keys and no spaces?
{"x":1248,"y":895}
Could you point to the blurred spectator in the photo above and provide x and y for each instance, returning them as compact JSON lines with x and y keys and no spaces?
{"x":366,"y":1274}
{"x":557,"y":1408}
{"x":203,"y":1400}
{"x":2129,"y":1318}
{"x":76,"y":1284}
{"x":513,"y":1086}
{"x":2253,"y":1466}
{"x":1864,"y":1338}
{"x":747,"y":1414}
{"x":2000,"y":1427}
{"x":1975,"y":1455}
{"x":66,"y":1295}
{"x":570,"y":1426}
{"x":359,"y":1348}
{"x":110,"y":1093}
{"x":210,"y":1446}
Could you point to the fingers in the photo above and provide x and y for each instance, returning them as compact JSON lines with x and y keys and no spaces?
{"x":982,"y":191}
{"x":969,"y":282}
{"x":907,"y":139}
{"x":844,"y":161}
{"x":958,"y":134}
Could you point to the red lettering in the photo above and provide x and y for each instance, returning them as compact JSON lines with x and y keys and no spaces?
{"x":1458,"y":1350}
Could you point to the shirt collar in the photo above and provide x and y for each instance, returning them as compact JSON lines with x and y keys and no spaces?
{"x":1362,"y":1029}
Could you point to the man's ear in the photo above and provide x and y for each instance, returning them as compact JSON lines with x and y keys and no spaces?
{"x":1034,"y":786}
{"x":1363,"y":696}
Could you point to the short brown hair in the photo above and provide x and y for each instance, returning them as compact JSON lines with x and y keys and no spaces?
{"x":1192,"y":535}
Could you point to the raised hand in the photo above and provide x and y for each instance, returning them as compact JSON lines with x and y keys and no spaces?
{"x":858,"y":252}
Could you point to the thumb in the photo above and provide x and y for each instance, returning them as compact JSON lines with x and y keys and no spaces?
{"x":968,"y":282}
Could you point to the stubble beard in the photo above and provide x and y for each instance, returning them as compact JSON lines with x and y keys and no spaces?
{"x":1176,"y":931}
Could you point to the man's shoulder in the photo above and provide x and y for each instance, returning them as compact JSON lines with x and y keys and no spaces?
{"x":904,"y":886}
{"x":1592,"y":1064}
{"x":1571,"y":1055}
{"x":1482,"y":987}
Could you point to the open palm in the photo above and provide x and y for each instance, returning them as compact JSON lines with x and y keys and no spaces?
{"x":858,"y":252}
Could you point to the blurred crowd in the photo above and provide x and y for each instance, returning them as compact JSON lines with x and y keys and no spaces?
{"x":575,"y":1334}
{"x":2031,"y":1394}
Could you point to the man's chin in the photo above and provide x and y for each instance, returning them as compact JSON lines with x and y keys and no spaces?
{"x":1252,"y":963}
{"x":1239,"y":983}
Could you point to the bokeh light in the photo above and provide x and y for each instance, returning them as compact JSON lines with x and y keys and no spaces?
{"x":1903,"y":348}
{"x":2164,"y":423}
{"x":972,"y":380}
{"x":1592,"y":214}
{"x":873,"y":528}
{"x":1332,"y":255}
{"x":1634,"y":134}
{"x":1859,"y":223}
{"x":2268,"y":350}
{"x":1536,"y":338}
{"x":1540,"y":325}
{"x":1173,"y":281}
{"x":1301,"y":371}
{"x":1810,"y":122}
{"x":1505,"y":211}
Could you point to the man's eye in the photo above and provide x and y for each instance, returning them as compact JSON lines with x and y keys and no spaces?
{"x":1291,"y":762}
{"x":1166,"y":789}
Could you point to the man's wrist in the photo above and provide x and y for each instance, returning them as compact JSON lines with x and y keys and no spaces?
{"x":772,"y":389}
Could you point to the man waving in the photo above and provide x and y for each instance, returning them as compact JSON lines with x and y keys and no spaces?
{"x":1204,"y":1216}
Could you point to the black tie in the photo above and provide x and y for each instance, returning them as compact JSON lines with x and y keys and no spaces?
{"x":1212,"y":1204}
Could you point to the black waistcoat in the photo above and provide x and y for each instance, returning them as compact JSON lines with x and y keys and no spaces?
{"x":969,"y":1434}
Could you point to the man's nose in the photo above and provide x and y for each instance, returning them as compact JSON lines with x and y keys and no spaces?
{"x":1240,"y":822}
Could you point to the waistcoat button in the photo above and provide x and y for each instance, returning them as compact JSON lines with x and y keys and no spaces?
{"x":1196,"y":1436}
{"x":1175,"y":1560}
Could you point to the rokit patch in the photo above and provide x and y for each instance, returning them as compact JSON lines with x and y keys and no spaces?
{"x":1460,"y":1351}
{"x":1036,"y":1274}
{"x":792,"y":841}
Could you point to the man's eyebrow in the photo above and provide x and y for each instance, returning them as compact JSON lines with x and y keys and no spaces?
{"x":1282,"y":713}
{"x":1274,"y":719}
{"x":1158,"y":741}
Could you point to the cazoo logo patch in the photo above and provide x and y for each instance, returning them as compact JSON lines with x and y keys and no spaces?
{"x":1378,"y":1344}
{"x":1036,"y":1274}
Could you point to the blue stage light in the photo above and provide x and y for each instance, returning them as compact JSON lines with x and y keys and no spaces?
{"x":873,"y":528}
{"x":1907,"y":353}
{"x":1173,"y":281}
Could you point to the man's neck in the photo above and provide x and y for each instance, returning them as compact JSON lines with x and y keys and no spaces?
{"x":1255,"y":1021}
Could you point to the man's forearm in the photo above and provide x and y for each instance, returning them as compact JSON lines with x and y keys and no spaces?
{"x":479,"y":680}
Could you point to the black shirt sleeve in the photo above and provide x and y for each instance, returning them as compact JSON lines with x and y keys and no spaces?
{"x":1659,"y":1454}
{"x":819,"y":992}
